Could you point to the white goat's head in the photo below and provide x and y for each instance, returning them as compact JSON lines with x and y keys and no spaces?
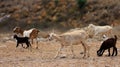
{"x":52,"y":36}
{"x":91,"y":26}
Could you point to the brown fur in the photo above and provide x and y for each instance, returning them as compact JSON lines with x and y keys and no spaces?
{"x":33,"y":34}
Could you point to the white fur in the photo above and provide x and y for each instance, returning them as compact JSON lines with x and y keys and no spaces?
{"x":74,"y":37}
{"x":26,"y":33}
{"x":100,"y":29}
{"x":104,"y":38}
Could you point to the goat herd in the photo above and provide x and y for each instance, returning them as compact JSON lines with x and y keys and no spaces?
{"x":72,"y":37}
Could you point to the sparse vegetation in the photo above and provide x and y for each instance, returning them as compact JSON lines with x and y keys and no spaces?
{"x":59,"y":13}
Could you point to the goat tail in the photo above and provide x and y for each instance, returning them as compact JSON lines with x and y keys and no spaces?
{"x":115,"y":37}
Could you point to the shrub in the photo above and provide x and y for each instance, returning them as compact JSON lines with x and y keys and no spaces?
{"x":81,"y":3}
{"x":56,"y":2}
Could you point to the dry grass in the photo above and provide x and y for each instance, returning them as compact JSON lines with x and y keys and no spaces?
{"x":10,"y":56}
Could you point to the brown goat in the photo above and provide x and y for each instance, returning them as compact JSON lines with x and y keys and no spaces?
{"x":31,"y":33}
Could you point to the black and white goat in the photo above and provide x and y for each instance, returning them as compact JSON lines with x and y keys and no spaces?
{"x":21,"y":40}
{"x":107,"y":44}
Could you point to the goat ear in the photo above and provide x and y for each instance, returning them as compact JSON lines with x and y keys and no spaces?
{"x":17,"y":27}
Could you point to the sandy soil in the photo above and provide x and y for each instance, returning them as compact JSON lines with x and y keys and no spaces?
{"x":10,"y":56}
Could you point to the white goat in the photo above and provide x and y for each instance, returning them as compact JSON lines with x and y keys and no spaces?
{"x":95,"y":30}
{"x":71,"y":38}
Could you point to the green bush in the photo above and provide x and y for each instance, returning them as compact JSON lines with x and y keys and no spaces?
{"x":56,"y":2}
{"x":81,"y":3}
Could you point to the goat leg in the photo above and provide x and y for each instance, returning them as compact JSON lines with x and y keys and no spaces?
{"x":85,"y":48}
{"x":59,"y":51}
{"x":17,"y":45}
{"x":72,"y":51}
{"x":98,"y":52}
{"x":22,"y":46}
{"x":109,"y":52}
{"x":30,"y":45}
{"x":36,"y":44}
{"x":113,"y":51}
{"x":32,"y":41}
{"x":116,"y":51}
{"x":101,"y":53}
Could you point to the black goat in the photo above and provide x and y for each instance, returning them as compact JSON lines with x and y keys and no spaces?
{"x":21,"y":40}
{"x":107,"y":44}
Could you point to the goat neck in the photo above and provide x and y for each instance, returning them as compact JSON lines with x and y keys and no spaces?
{"x":21,"y":31}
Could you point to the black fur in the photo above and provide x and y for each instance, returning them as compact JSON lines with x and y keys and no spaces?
{"x":21,"y":40}
{"x":107,"y":44}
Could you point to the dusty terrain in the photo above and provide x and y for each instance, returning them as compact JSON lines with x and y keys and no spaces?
{"x":45,"y":14}
{"x":10,"y":56}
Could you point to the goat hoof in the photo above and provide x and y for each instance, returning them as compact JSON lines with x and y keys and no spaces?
{"x":56,"y":57}
{"x":63,"y":57}
{"x":25,"y":47}
{"x":81,"y":53}
{"x":84,"y":57}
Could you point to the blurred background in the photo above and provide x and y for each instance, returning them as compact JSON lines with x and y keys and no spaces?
{"x":57,"y":14}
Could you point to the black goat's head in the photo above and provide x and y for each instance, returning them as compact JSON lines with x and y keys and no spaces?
{"x":99,"y":53}
{"x":15,"y":36}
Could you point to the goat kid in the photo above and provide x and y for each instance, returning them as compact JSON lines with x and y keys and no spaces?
{"x":107,"y":44}
{"x":21,"y":40}
{"x":31,"y":33}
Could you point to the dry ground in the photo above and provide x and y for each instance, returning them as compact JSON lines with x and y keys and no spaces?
{"x":10,"y":56}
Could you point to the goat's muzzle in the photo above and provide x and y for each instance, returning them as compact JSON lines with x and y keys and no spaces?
{"x":99,"y":53}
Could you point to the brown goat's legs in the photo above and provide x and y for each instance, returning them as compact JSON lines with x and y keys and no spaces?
{"x":36,"y":43}
{"x":32,"y":41}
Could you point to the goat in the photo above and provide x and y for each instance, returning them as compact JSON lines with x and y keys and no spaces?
{"x":95,"y":30}
{"x":107,"y":44}
{"x":31,"y":33}
{"x":21,"y":40}
{"x":71,"y":38}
